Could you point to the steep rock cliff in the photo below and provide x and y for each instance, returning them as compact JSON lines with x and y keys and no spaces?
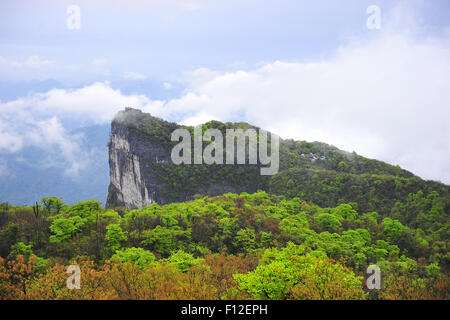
{"x":129,"y":155}
{"x":141,"y":171}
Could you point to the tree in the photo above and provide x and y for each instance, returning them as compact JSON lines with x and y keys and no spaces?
{"x":328,"y":222}
{"x":293,"y":226}
{"x":85,"y":209}
{"x":182,"y":261}
{"x":53,"y":205}
{"x":138,"y":256}
{"x":20,"y":248}
{"x":64,"y":228}
{"x":345,"y":211}
{"x":393,"y":229}
{"x":16,"y":275}
{"x":163,"y":240}
{"x":291,"y":274}
{"x":245,"y":240}
{"x":115,"y":236}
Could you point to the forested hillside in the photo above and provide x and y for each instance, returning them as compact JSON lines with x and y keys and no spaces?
{"x":233,"y":246}
{"x":227,"y":232}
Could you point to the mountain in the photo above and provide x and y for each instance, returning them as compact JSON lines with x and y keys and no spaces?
{"x":141,"y":171}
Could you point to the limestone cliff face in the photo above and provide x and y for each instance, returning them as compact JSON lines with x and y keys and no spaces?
{"x":127,"y":183}
{"x":131,"y":184}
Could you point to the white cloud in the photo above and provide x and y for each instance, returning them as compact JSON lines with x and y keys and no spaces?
{"x":29,"y":68}
{"x":134,"y":76}
{"x":100,"y":67}
{"x":36,"y":121}
{"x":97,"y":103}
{"x":197,"y":119}
{"x":99,"y":62}
{"x":10,"y":141}
{"x":48,"y":135}
{"x":167,"y":85}
{"x":33,"y":62}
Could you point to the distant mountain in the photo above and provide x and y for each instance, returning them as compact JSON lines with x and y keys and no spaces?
{"x":26,"y":178}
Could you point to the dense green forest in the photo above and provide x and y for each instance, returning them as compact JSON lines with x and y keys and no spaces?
{"x":235,"y":246}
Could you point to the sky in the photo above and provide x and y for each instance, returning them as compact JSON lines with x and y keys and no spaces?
{"x":307,"y":70}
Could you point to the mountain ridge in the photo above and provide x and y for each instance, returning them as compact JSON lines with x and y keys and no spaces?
{"x":141,"y":171}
